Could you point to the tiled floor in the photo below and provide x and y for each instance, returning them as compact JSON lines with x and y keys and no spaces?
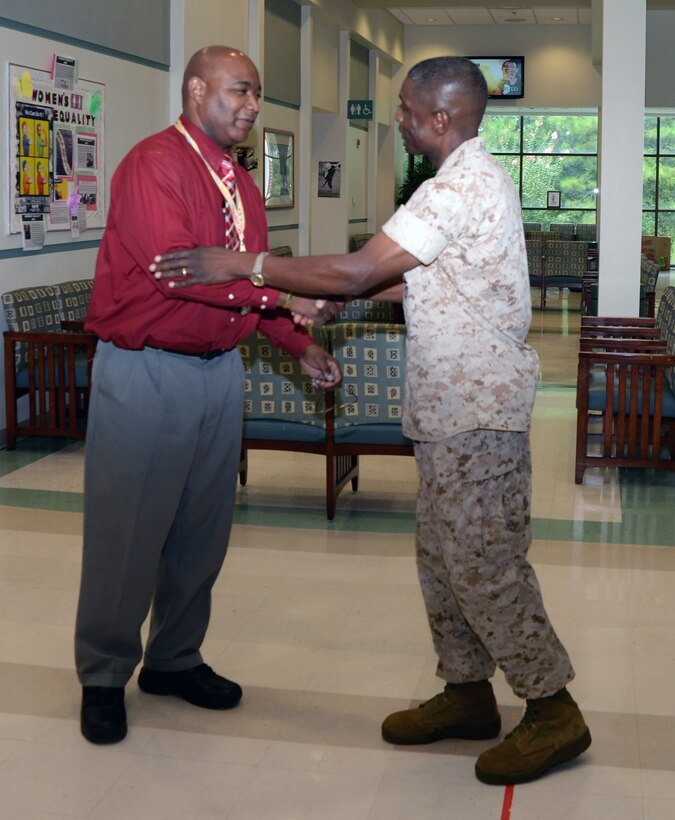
{"x":324,"y":626}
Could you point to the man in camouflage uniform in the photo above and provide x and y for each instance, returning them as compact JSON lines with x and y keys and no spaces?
{"x":470,"y":386}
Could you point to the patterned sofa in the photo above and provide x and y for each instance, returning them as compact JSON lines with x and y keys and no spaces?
{"x":282,"y":410}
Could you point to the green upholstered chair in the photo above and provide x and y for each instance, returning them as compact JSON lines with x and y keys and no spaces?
{"x":544,"y":236}
{"x":567,"y":230}
{"x":281,"y":250}
{"x":368,"y":310}
{"x":565,"y":263}
{"x":649,"y":276}
{"x":369,"y":403}
{"x":358,"y":240}
{"x":531,"y":226}
{"x":74,"y":298}
{"x":283,"y":411}
{"x":535,"y":254}
{"x":586,"y":233}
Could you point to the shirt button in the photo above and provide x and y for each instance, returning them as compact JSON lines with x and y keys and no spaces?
{"x":264,"y":298}
{"x":230,"y":295}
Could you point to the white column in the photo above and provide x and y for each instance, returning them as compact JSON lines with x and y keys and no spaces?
{"x":621,"y":149}
{"x":177,"y":51}
{"x":303,"y":161}
{"x":373,"y":141}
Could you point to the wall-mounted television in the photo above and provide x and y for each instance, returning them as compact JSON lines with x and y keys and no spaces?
{"x":504,"y":76}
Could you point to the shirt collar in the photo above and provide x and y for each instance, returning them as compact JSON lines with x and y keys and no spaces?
{"x":470,"y":146}
{"x":213,"y":153}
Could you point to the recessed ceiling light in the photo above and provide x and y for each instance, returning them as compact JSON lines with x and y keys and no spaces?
{"x":557,"y":19}
{"x":431,"y":19}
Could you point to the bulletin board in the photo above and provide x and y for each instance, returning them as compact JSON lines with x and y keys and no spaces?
{"x":56,"y":150}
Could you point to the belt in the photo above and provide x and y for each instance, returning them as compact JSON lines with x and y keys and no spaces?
{"x":210,"y":354}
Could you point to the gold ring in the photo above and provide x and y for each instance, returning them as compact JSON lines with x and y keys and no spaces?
{"x":184,"y":272}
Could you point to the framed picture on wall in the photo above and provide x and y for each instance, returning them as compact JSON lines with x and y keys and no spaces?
{"x":278,"y":163}
{"x":330,"y":178}
{"x":553,"y":199}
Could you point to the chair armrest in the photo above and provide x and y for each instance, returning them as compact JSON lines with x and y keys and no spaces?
{"x":661,"y":360}
{"x":620,"y":332}
{"x":622,"y":345}
{"x":50,"y":337}
{"x":618,"y":321}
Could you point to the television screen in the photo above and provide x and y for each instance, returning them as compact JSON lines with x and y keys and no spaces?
{"x":503,"y":75}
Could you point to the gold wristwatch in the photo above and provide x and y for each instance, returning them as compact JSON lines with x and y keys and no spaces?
{"x":257,"y":277}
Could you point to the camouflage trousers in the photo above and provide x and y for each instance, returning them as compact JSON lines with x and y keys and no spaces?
{"x":482,"y":595}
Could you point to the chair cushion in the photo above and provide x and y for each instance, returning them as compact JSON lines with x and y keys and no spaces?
{"x":390,"y":434}
{"x":278,"y":430}
{"x":81,"y":373}
{"x":596,"y":396}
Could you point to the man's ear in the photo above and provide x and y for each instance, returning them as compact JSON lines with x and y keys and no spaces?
{"x":441,"y":121}
{"x":196,"y":87}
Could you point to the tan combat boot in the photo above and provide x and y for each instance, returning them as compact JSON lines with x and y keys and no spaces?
{"x":462,"y":710}
{"x":551,"y":732}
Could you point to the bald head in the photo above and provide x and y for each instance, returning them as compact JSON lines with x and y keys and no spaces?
{"x":204,"y":63}
{"x":221,"y":92}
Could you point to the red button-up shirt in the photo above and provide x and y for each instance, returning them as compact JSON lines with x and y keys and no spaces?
{"x":163,"y":199}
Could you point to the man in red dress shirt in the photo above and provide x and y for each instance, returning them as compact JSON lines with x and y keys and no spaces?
{"x":165,"y":420}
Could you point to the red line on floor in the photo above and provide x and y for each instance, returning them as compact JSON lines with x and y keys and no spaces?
{"x":508,"y":801}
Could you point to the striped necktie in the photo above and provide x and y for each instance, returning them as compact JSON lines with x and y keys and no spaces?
{"x":227,"y":175}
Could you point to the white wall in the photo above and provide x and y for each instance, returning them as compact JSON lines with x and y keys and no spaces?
{"x":660,"y":89}
{"x":284,"y":119}
{"x":325,"y":61}
{"x":558,"y":65}
{"x":357,"y":180}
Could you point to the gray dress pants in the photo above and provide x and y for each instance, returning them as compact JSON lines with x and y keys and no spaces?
{"x":162,"y":452}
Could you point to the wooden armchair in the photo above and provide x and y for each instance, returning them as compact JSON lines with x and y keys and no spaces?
{"x":629,"y":396}
{"x":47,"y":368}
{"x":55,"y":375}
{"x":626,"y":391}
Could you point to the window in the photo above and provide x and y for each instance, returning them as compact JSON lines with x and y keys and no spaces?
{"x":545,"y":153}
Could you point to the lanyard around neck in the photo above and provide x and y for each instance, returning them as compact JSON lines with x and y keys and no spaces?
{"x":233,"y":202}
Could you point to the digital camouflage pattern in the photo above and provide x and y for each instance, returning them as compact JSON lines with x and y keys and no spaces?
{"x":470,"y":387}
{"x":482,"y":596}
{"x":467,"y":306}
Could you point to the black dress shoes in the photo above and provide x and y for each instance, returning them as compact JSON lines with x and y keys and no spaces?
{"x":103,"y":718}
{"x":200,"y":686}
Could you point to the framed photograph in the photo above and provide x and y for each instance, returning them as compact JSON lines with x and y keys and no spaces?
{"x":278,"y":163}
{"x":553,"y":199}
{"x":330,"y":178}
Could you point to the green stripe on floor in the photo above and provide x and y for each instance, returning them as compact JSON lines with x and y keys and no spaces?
{"x":635,"y":528}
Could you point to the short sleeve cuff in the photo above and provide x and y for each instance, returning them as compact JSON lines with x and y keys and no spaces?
{"x":414,"y":235}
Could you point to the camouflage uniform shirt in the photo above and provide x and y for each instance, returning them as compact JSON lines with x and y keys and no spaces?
{"x":467,"y":305}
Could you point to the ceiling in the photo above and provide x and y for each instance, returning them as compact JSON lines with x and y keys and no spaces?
{"x":478,"y":13}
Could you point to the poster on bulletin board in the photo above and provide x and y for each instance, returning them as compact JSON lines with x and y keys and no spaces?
{"x":56,"y":149}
